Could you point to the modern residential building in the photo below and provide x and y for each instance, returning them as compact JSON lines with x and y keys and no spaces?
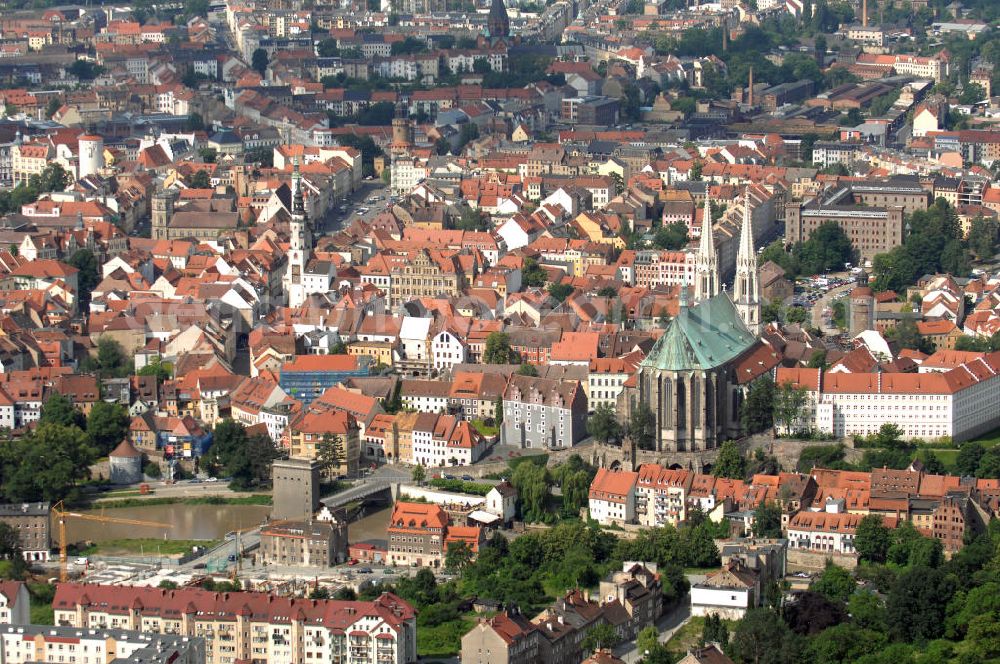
{"x":38,"y":644}
{"x":247,"y":626}
{"x":661,"y":495}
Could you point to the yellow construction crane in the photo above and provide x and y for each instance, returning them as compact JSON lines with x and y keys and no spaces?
{"x":59,"y":509}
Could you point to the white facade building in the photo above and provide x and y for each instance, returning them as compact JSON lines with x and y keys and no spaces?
{"x":447,"y":350}
{"x":960,"y":403}
{"x":612,"y":497}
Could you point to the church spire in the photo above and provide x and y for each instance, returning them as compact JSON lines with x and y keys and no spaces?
{"x":706,"y":269}
{"x":746,"y":286}
{"x":299,"y":243}
{"x":298,"y":206}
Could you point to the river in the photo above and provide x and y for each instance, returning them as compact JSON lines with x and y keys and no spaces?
{"x":190,"y":522}
{"x":371,"y":527}
{"x":200,"y":522}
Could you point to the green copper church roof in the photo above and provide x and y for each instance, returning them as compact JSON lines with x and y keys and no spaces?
{"x":701,"y":337}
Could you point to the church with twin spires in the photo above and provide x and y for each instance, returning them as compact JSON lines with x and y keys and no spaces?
{"x":695,"y":376}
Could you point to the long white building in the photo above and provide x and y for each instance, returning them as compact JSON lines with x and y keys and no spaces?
{"x":960,"y":402}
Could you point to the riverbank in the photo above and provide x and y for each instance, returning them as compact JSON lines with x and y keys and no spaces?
{"x":147,"y":546}
{"x":115,"y":503}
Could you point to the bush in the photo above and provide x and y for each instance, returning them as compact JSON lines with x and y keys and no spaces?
{"x":151,"y":469}
{"x":460,"y":486}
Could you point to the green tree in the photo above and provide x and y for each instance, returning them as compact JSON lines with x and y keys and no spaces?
{"x":330,"y":452}
{"x":867,"y":610}
{"x":327,"y":48}
{"x":458,"y":557}
{"x":88,"y":277}
{"x":259,"y":61}
{"x":757,"y":410}
{"x":789,"y":401}
{"x":418,"y":475}
{"x":498,"y":350}
{"x":55,"y":103}
{"x":647,"y":640}
{"x":107,"y":425}
{"x":472,"y":220}
{"x":10,"y":552}
{"x":532,"y":274}
{"x":603,"y":425}
{"x":828,"y":248}
{"x":560,"y":292}
{"x":908,"y":336}
{"x":730,"y":462}
{"x":715,"y":631}
{"x":531,"y":483}
{"x":671,"y":237}
{"x":252,"y":469}
{"x":156,"y":368}
{"x":642,"y":426}
{"x":109,"y":361}
{"x":767,"y":521}
{"x":527,"y":370}
{"x":835,"y":583}
{"x":971,"y":94}
{"x":46,"y":464}
{"x":603,"y":635}
{"x":915,"y":609}
{"x":58,"y":409}
{"x":201,"y":180}
{"x":575,"y":489}
{"x":761,"y":637}
{"x":85,"y":70}
{"x":872,"y":539}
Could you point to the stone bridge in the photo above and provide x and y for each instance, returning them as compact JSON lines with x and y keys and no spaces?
{"x":363,"y":489}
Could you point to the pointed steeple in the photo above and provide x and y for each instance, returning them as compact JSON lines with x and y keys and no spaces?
{"x":298,"y":204}
{"x":746,"y":286}
{"x":706,"y":268}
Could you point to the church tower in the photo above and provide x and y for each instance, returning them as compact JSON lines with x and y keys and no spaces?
{"x":498,"y":23}
{"x":746,"y":287}
{"x":706,"y":266}
{"x":299,"y":245}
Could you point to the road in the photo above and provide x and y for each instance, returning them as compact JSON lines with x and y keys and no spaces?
{"x":336,"y":218}
{"x":668,"y":626}
{"x":822,"y":303}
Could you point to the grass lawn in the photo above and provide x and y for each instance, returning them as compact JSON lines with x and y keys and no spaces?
{"x":689,"y":637}
{"x":991,"y":439}
{"x":947,"y":457}
{"x":250,"y":499}
{"x":149,"y":546}
{"x":41,"y":603}
{"x":482,"y":428}
{"x":43,"y":615}
{"x":444,"y":640}
{"x":686,"y":638}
